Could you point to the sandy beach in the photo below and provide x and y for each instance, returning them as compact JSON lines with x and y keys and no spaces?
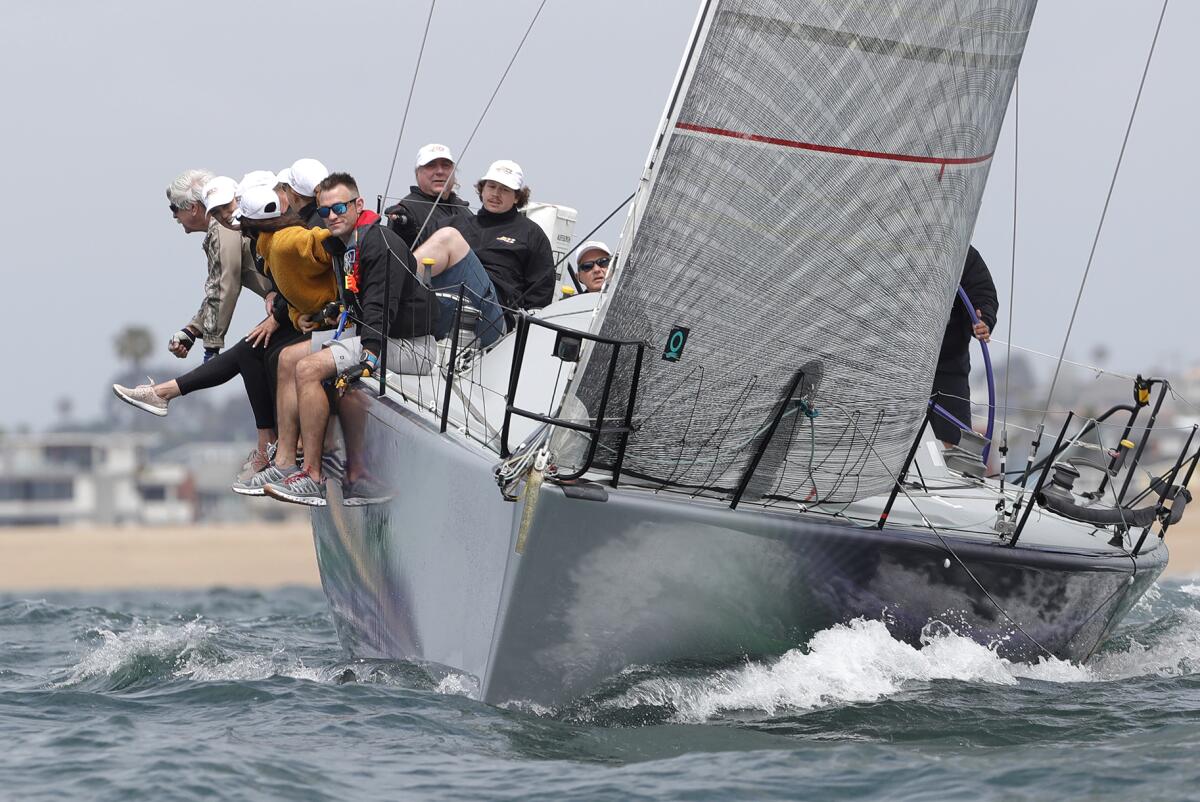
{"x":259,"y":555}
{"x":256,"y":555}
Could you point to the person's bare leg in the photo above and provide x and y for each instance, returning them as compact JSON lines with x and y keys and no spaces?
{"x":167,"y":390}
{"x":287,"y":416}
{"x":313,"y":406}
{"x":352,"y":411}
{"x":446,"y":247}
{"x":265,"y":438}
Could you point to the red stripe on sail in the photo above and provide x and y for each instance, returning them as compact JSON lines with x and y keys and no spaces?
{"x":869,"y":154}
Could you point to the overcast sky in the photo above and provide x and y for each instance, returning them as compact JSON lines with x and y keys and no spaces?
{"x":106,"y":103}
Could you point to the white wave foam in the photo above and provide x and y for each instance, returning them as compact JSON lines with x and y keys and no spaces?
{"x":1192,"y":589}
{"x":120,"y":650}
{"x":1174,"y":652}
{"x":861,"y":662}
{"x":845,"y":664}
{"x":249,"y":668}
{"x":458,"y":685}
{"x":190,"y":653}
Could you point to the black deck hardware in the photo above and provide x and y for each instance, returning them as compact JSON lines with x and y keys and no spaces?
{"x":524,"y":321}
{"x":785,"y":402}
{"x":900,"y":477}
{"x":1041,"y":481}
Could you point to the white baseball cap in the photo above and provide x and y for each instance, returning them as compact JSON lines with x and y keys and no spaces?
{"x":257,"y":178}
{"x":303,"y":176}
{"x":591,"y":245}
{"x":258,"y":202}
{"x":218,"y":191}
{"x":434,"y":151}
{"x":507,"y":173}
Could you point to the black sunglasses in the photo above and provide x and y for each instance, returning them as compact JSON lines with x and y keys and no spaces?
{"x":337,"y":208}
{"x":603,"y":261}
{"x":174,"y":208}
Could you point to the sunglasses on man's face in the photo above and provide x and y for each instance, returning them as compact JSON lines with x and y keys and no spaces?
{"x":174,"y":208}
{"x":603,"y":261}
{"x":337,"y":208}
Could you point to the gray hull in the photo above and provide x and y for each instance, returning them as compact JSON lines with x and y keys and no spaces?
{"x":638,"y":577}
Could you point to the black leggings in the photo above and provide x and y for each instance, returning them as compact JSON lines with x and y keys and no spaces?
{"x":257,"y":367}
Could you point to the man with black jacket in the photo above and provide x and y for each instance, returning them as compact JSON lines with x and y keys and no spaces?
{"x":514,"y":249}
{"x":367,"y":259}
{"x":951,"y":387}
{"x":432,"y":203}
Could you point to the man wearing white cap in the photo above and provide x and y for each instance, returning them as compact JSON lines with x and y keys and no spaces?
{"x":230,"y":266}
{"x":432,"y":203}
{"x":299,"y":185}
{"x":513,"y":248}
{"x":591,"y":265}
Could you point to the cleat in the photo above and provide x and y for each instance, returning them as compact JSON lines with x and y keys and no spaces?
{"x":143,"y":397}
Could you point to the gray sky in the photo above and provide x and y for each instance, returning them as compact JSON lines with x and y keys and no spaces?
{"x":106,"y":103}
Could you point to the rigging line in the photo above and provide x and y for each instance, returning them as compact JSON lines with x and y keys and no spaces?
{"x":1097,"y":370}
{"x":1104,"y":212}
{"x":958,"y":559}
{"x":408,"y":102}
{"x":463,"y":150}
{"x":1012,"y":270}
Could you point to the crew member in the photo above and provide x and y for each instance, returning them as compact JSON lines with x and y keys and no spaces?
{"x":592,"y":261}
{"x":433,"y":202}
{"x":366,"y":256}
{"x":951,"y":387}
{"x":230,"y":267}
{"x":513,"y":249}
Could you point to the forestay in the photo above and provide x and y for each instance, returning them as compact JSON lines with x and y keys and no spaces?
{"x":808,"y":205}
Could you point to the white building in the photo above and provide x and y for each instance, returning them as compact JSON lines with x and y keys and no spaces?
{"x":90,"y":478}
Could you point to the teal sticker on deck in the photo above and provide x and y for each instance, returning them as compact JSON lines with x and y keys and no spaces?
{"x":675,"y":342}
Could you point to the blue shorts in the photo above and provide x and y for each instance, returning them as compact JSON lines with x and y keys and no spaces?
{"x":470,"y":273}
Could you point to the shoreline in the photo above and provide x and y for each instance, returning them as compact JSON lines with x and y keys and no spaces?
{"x":260,"y":556}
{"x":255,"y":555}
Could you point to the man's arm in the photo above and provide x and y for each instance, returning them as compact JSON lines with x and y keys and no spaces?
{"x":223,"y":286}
{"x":978,"y":284}
{"x":539,"y":272}
{"x":375,"y":260}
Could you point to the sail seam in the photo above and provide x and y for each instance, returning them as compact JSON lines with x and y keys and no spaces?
{"x":868,"y":154}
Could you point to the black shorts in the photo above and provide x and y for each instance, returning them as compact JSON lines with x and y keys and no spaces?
{"x":952,"y":392}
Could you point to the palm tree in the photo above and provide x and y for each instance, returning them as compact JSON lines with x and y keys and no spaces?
{"x":134,"y":344}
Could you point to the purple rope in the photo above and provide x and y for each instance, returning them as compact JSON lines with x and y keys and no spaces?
{"x":991,"y":379}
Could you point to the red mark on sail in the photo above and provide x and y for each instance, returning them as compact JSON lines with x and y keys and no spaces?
{"x":942,"y":161}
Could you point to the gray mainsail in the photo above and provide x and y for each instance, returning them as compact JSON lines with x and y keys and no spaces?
{"x":808,"y":205}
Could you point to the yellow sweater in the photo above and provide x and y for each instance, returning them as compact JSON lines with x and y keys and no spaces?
{"x":301,"y":267}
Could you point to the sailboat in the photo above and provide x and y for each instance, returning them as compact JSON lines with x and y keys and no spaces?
{"x":725,"y":450}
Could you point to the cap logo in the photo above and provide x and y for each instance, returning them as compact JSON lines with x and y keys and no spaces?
{"x":270,"y":207}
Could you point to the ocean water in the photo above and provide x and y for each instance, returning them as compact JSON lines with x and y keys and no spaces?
{"x":247,"y":696}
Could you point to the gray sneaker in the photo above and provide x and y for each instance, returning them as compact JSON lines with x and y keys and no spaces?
{"x":255,"y":484}
{"x":364,"y":491}
{"x":255,"y":462}
{"x":143,"y":397}
{"x":298,"y":488}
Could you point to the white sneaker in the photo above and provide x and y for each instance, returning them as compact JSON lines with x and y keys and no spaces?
{"x":143,"y":397}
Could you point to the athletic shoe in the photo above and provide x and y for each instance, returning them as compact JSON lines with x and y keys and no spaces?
{"x":255,"y":461}
{"x":298,"y":488}
{"x":254,"y":485}
{"x":364,"y":491}
{"x":143,"y":397}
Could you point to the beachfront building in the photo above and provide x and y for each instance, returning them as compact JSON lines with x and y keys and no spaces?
{"x":89,"y":478}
